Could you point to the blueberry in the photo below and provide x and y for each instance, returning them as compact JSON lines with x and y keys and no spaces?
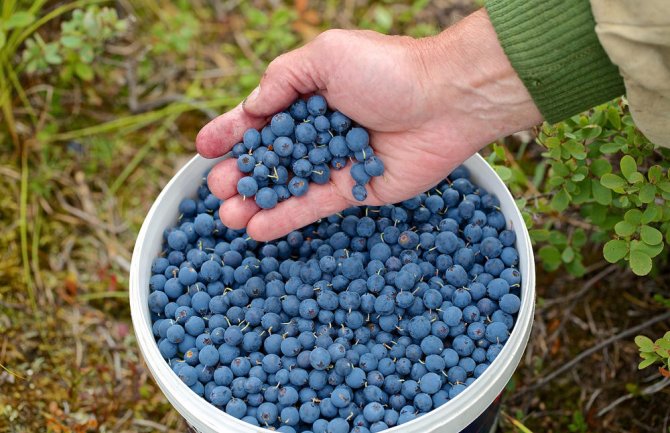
{"x":236,"y":407}
{"x":359,"y":192}
{"x":251,"y":139}
{"x":282,"y":125}
{"x":299,"y":110}
{"x":298,"y":186}
{"x":510,"y":303}
{"x":339,"y":122}
{"x":496,"y":332}
{"x":316,"y":105}
{"x":266,"y":198}
{"x":157,"y":301}
{"x":358,"y":173}
{"x":357,"y":139}
{"x":177,"y":240}
{"x":246,"y":163}
{"x":375,"y":167}
{"x":305,"y":133}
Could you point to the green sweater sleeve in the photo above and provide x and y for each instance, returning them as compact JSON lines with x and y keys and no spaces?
{"x":553,"y":46}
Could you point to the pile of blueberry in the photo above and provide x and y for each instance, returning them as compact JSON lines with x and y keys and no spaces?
{"x":300,"y":146}
{"x":357,"y":323}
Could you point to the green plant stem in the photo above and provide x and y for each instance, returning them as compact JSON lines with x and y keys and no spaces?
{"x":21,"y":92}
{"x":7,"y":8}
{"x":23,"y":227}
{"x":35,"y":250}
{"x":142,"y":153}
{"x":139,"y":120}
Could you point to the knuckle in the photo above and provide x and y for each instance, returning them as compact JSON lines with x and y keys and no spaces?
{"x":275,"y":66}
{"x":331,"y":37}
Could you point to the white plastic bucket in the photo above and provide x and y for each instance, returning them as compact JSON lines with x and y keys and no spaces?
{"x":451,"y":417}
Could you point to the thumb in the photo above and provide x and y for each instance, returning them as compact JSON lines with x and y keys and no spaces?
{"x":287,"y":77}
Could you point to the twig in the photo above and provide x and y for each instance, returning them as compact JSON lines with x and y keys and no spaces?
{"x":90,"y":219}
{"x":574,"y":297}
{"x":647,"y":391}
{"x":152,"y":424}
{"x":597,"y":347}
{"x":587,"y":286}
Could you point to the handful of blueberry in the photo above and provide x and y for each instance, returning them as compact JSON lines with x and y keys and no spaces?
{"x":357,"y":323}
{"x":300,"y":146}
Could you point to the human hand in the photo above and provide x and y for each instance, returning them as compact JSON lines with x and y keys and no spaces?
{"x":428,"y":105}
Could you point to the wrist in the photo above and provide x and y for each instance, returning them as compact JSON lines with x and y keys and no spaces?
{"x":473,"y":83}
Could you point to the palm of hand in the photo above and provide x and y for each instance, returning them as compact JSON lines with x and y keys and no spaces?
{"x":375,"y":80}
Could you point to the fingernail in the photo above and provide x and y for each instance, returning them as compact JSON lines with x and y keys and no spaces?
{"x":253,"y":95}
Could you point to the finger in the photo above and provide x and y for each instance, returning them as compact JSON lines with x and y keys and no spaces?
{"x":221,"y":134}
{"x":223,"y":178}
{"x":236,"y":212}
{"x":296,"y":212}
{"x":287,"y":77}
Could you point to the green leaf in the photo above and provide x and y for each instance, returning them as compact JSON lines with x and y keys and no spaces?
{"x":53,"y":58}
{"x":644,"y":343}
{"x":649,"y":214}
{"x":568,"y":255}
{"x":636,"y":177}
{"x":558,"y":238}
{"x":615,"y":250}
{"x":628,"y":166}
{"x":655,"y":173}
{"x":650,"y":235}
{"x":383,"y":18}
{"x":624,"y":228}
{"x":614,"y":117}
{"x":560,"y":200}
{"x":555,"y":181}
{"x":84,"y":71}
{"x":647,"y":193}
{"x":650,"y":250}
{"x":640,"y":263}
{"x":591,"y":131}
{"x":633,"y":216}
{"x":611,"y":147}
{"x":504,"y":172}
{"x":19,"y":20}
{"x":575,"y":148}
{"x":664,"y":186}
{"x":552,"y":142}
{"x":576,"y":268}
{"x":646,"y":363}
{"x":3,"y":38}
{"x":560,"y":169}
{"x":499,"y":151}
{"x":539,"y":235}
{"x":663,"y":353}
{"x":601,"y":194}
{"x":612,"y":181}
{"x":600,"y":167}
{"x":579,"y":238}
{"x":550,"y":255}
{"x":71,"y":41}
